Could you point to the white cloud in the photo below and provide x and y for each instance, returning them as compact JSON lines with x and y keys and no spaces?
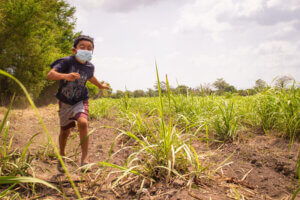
{"x":121,"y":64}
{"x":277,"y":47}
{"x":274,"y":3}
{"x":126,"y":5}
{"x":99,"y":39}
{"x":285,"y":30}
{"x":204,"y":14}
{"x":290,"y":5}
{"x":87,"y":4}
{"x":153,"y":33}
{"x":216,"y":16}
{"x":247,"y":8}
{"x":279,"y":56}
{"x":265,"y":12}
{"x":113,"y":5}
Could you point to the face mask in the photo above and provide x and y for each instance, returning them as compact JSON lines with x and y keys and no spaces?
{"x":84,"y":55}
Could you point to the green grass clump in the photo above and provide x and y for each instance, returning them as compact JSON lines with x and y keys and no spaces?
{"x":162,"y":153}
{"x":289,"y":106}
{"x":225,"y":122}
{"x":267,"y":109}
{"x":273,"y":111}
{"x":101,"y":108}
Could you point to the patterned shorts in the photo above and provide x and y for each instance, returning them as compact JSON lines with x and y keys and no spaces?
{"x":68,"y":114}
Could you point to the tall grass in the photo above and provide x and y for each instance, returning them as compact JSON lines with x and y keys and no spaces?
{"x":101,"y":108}
{"x":271,"y":110}
{"x":162,"y":153}
{"x":225,"y":122}
{"x":267,"y":109}
{"x":289,"y":105}
{"x":7,"y":179}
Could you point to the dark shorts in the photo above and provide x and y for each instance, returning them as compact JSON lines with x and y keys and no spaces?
{"x":68,"y":114}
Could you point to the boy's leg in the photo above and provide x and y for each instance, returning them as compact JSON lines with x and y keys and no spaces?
{"x":63,"y":137}
{"x":83,"y":131}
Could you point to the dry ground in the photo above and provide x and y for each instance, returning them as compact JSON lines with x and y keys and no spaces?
{"x":261,"y":166}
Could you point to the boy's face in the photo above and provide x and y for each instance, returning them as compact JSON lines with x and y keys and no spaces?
{"x":83,"y":45}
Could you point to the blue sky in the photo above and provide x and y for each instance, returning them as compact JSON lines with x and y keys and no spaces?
{"x":193,"y":41}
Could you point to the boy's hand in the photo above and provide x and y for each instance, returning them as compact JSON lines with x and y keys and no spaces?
{"x":72,"y":76}
{"x":105,"y":86}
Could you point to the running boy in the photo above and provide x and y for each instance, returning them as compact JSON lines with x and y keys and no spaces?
{"x":73,"y":73}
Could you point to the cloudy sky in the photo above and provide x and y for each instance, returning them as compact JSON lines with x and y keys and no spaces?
{"x":193,"y":41}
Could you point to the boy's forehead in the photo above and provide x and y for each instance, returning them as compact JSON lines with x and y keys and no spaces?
{"x":85,"y":43}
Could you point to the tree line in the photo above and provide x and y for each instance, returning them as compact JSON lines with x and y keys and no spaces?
{"x":218,"y":87}
{"x":33,"y":33}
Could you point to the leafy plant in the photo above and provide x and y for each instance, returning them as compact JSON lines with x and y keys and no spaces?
{"x":289,"y":112}
{"x":267,"y":109}
{"x":161,"y":153}
{"x":225,"y":123}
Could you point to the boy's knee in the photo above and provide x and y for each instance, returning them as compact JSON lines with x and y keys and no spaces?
{"x":82,"y":122}
{"x":65,"y":132}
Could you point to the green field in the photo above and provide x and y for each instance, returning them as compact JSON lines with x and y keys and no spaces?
{"x":162,"y":136}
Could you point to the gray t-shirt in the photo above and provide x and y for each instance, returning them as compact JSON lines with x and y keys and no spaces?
{"x":72,"y":92}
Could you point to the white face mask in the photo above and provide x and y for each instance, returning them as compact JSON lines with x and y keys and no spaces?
{"x":84,"y":55}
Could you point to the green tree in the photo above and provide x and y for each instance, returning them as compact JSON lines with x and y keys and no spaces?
{"x":33,"y":33}
{"x":230,"y":88}
{"x":128,"y":93}
{"x":222,"y":86}
{"x":150,"y":92}
{"x":181,"y":89}
{"x":138,"y":93}
{"x":260,"y":85}
{"x":92,"y":89}
{"x":119,"y":94}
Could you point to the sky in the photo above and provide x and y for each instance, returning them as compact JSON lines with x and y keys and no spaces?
{"x":193,"y":41}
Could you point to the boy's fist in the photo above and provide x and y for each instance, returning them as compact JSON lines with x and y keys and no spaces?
{"x":72,"y":76}
{"x":106,"y":86}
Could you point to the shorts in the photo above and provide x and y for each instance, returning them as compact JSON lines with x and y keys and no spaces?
{"x":68,"y":114}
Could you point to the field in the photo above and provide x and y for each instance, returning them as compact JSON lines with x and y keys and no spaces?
{"x":166,"y":147}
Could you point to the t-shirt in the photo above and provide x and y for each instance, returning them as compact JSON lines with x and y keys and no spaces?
{"x":72,"y":92}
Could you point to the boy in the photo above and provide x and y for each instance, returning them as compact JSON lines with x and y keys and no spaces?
{"x":73,"y":73}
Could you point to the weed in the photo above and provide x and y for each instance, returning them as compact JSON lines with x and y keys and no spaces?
{"x":225,"y":123}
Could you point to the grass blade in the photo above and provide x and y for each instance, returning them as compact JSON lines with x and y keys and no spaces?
{"x":14,"y":180}
{"x":45,"y":129}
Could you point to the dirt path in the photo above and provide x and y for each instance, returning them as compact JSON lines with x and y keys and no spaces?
{"x":260,"y":166}
{"x":24,"y":125}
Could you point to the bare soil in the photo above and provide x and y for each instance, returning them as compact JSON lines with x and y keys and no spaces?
{"x":258,"y":166}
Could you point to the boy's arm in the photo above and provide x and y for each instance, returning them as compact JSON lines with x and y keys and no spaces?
{"x":53,"y":75}
{"x":94,"y":81}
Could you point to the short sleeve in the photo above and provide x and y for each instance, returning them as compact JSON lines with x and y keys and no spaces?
{"x":91,"y":70}
{"x":60,"y":65}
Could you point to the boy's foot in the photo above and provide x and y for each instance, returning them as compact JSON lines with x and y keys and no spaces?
{"x":60,"y":168}
{"x":85,"y":167}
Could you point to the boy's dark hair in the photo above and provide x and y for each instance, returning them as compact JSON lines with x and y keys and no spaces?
{"x":83,"y":37}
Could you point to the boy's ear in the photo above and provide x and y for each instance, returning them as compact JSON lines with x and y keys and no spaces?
{"x":74,"y":50}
